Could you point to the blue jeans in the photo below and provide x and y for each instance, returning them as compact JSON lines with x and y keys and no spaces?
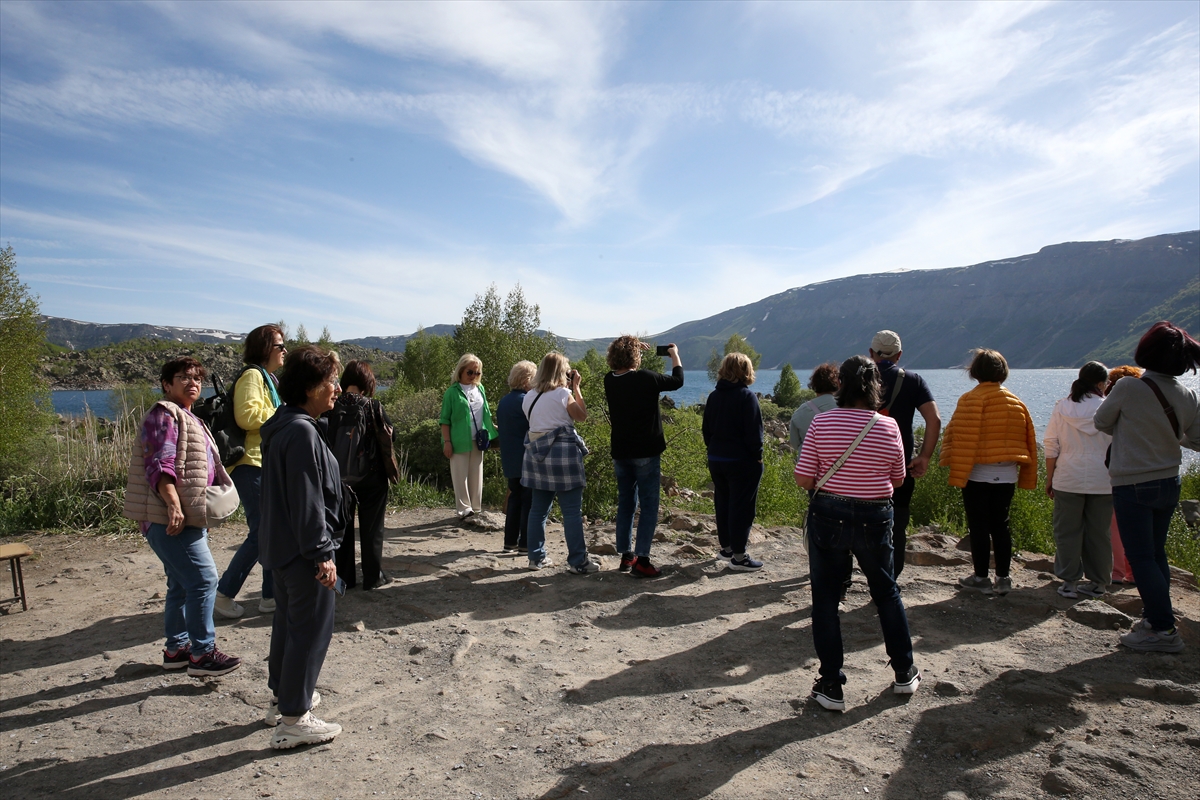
{"x":638,"y":482}
{"x":191,"y":587}
{"x":1143,"y":514}
{"x":571,"y":503}
{"x":246,"y":478}
{"x":837,"y":529}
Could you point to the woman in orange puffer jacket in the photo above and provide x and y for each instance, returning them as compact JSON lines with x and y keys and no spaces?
{"x":991,"y":449}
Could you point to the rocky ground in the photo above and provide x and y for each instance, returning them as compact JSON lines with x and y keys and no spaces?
{"x":471,"y":677}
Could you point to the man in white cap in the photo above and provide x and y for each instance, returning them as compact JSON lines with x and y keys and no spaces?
{"x":904,"y":393}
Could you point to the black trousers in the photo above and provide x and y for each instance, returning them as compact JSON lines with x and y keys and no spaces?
{"x":735,"y":500}
{"x":987,"y":507}
{"x":371,"y":507}
{"x":300,"y":635}
{"x":901,"y":511}
{"x":516,"y":514}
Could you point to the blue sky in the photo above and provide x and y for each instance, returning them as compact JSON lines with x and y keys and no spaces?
{"x":373,"y":166}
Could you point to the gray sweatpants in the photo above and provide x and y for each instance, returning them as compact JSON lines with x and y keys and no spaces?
{"x":1081,"y":537}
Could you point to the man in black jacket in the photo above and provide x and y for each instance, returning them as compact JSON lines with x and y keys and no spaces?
{"x":637,"y":445}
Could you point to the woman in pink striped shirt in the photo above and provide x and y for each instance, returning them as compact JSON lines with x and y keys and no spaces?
{"x":850,"y":513}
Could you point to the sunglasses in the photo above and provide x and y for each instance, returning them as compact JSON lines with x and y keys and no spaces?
{"x":472,"y":372}
{"x":281,"y":347}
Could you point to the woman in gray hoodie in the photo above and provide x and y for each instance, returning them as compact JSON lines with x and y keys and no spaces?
{"x":303,"y":517}
{"x":1149,"y":419}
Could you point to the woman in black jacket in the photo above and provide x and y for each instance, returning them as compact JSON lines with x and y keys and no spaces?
{"x":733,"y":434}
{"x":301,"y":529}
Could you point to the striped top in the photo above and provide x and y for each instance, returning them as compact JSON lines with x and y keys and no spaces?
{"x":871,"y":468}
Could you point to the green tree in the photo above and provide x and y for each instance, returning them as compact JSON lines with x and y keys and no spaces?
{"x":502,"y":333}
{"x":736,"y":344}
{"x":24,"y":396}
{"x":428,"y":360}
{"x":326,"y":339}
{"x":787,"y":390}
{"x":302,"y":335}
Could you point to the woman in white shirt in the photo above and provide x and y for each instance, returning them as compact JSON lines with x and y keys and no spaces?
{"x":553,"y":464}
{"x":1078,"y":481}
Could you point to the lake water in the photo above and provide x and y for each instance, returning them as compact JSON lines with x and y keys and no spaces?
{"x":1039,"y":389}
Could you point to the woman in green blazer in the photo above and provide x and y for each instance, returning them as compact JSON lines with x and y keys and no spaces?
{"x":465,"y":411}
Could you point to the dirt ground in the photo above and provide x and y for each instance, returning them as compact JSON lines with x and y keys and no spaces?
{"x":472,"y":677}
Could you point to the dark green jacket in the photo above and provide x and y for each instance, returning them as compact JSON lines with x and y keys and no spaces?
{"x":456,"y":413}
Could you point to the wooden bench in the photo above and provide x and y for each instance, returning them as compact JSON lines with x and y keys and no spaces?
{"x":13,"y":553}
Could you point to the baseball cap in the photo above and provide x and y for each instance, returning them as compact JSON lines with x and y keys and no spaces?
{"x":886,"y":344}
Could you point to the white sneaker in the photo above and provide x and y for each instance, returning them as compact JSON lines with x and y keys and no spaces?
{"x":543,"y":564}
{"x":273,"y":716}
{"x":266,"y":605}
{"x":307,"y":730}
{"x":227,"y":607}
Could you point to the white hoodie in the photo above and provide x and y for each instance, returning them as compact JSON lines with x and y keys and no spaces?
{"x":1072,"y":438}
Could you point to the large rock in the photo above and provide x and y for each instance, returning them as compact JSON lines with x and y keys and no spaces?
{"x":1183,"y":579}
{"x":1099,"y":615}
{"x":930,"y":558}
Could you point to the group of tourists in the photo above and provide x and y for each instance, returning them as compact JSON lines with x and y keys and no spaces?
{"x":318,"y":448}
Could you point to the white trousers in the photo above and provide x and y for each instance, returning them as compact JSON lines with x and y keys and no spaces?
{"x":466,"y":475}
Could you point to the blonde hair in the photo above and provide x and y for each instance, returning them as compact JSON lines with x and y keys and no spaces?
{"x":467,"y":360}
{"x":737,"y":368}
{"x":521,"y":374}
{"x":551,"y":373}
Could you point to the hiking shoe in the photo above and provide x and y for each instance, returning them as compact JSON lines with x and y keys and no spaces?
{"x":627,"y":561}
{"x":227,"y":607}
{"x":1091,"y":589}
{"x":586,"y":568}
{"x":828,"y":692}
{"x":1143,"y":638}
{"x":744,"y":563}
{"x":907,"y":681}
{"x":178,"y":661}
{"x":726,"y":554}
{"x":212,"y":664}
{"x":1068,"y":591}
{"x":273,"y":716}
{"x":1002,"y":586}
{"x":307,"y":730}
{"x":642,"y":568}
{"x":266,"y":605}
{"x":975,"y":582}
{"x":545,"y":562}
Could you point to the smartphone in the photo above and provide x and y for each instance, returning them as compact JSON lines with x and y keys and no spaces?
{"x":662,"y":350}
{"x":339,"y":586}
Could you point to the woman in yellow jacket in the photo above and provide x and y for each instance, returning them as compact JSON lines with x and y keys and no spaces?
{"x":255,"y":399}
{"x":991,"y":449}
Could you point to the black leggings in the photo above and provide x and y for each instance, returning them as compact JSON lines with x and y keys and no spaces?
{"x":987,"y":507}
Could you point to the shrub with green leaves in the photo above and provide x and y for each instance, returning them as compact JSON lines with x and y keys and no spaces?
{"x":787,"y":389}
{"x":24,"y":396}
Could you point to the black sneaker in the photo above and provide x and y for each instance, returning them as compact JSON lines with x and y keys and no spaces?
{"x":177,"y":661}
{"x":586,"y":568}
{"x":642,"y":568}
{"x":828,"y":692}
{"x":726,"y":554}
{"x":212,"y":664}
{"x":908,"y":681}
{"x":627,"y":561}
{"x":744,"y":563}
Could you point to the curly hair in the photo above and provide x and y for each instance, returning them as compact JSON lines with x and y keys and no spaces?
{"x":625,"y":352}
{"x":304,"y":369}
{"x":1125,"y":371}
{"x":824,"y":378}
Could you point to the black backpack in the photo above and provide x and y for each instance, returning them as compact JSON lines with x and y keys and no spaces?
{"x":217,"y":413}
{"x":352,"y":438}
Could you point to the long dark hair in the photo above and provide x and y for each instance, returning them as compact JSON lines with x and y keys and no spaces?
{"x":1090,"y":374}
{"x":259,"y":344}
{"x":860,"y":383}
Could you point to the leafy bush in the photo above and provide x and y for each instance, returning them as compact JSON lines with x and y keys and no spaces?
{"x":406,"y":411}
{"x":24,"y":397}
{"x":420,"y":448}
{"x":787,"y":390}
